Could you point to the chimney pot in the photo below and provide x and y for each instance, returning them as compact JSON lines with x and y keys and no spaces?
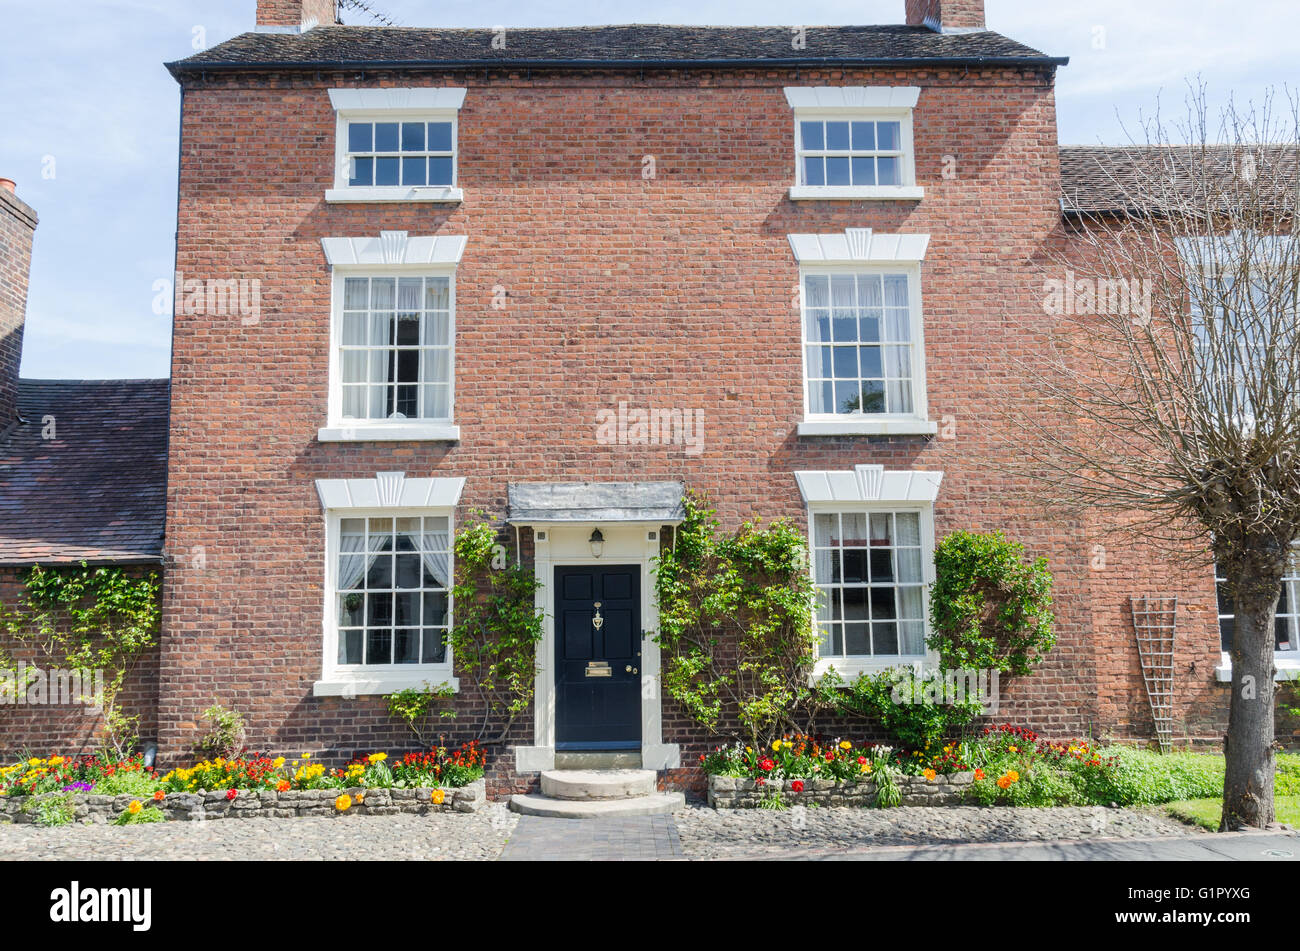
{"x":9,"y":185}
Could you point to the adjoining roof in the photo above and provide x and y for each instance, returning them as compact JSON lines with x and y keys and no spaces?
{"x":97,"y":490}
{"x":1107,"y":179}
{"x":633,"y":46}
{"x":538,"y":502}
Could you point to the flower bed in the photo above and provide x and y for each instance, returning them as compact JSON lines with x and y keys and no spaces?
{"x":255,"y":803}
{"x":59,"y":789}
{"x":737,"y":792}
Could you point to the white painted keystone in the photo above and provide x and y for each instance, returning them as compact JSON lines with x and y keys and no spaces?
{"x":586,"y":785}
{"x":654,"y":805}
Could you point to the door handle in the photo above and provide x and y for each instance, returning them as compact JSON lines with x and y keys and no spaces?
{"x":630,"y":669}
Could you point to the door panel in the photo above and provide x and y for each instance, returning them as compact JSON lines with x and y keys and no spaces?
{"x":598,"y":680}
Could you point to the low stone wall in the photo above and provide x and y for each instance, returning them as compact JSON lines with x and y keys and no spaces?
{"x":731,"y":792}
{"x":251,"y":804}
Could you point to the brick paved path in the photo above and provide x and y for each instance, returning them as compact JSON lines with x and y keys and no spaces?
{"x":633,"y":838}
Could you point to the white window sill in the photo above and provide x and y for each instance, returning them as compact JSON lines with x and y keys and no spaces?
{"x":851,"y":668}
{"x":1287,"y":668}
{"x":339,"y":684}
{"x":856,"y":192}
{"x":444,"y":193}
{"x":863,"y":426}
{"x":382,"y":432}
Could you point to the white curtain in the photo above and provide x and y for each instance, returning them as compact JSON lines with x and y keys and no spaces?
{"x":437,"y":559}
{"x":353,"y":567}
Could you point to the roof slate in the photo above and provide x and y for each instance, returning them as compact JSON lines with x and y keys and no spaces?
{"x":635,"y":45}
{"x":97,"y":491}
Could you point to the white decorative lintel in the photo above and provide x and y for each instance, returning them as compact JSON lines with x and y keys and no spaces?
{"x":395,"y":248}
{"x":389,"y":490}
{"x":869,"y":483}
{"x":858,"y":245}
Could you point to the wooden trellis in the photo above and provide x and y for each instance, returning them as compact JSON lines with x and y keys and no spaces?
{"x":1154,"y":622}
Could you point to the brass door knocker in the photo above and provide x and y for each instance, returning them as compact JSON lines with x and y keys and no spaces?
{"x":597,"y":622}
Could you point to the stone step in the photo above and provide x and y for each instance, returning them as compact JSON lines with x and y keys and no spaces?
{"x":598,"y":759}
{"x":587,"y":785}
{"x":652,"y":805}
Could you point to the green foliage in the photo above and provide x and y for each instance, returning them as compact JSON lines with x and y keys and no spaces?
{"x":735,"y":623}
{"x":497,"y":624}
{"x":91,"y":619}
{"x":144,"y":816}
{"x":225,"y":735}
{"x":55,"y":809}
{"x":989,"y":610}
{"x":413,"y":704}
{"x":1142,"y":776}
{"x":912,"y":707}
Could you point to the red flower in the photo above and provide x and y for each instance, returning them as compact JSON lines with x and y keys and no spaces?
{"x":231,"y":794}
{"x":797,"y":785}
{"x":767,"y":766}
{"x":862,"y":761}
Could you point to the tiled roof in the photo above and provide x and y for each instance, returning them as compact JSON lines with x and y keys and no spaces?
{"x":97,"y":490}
{"x":1104,"y":179}
{"x":605,"y":46}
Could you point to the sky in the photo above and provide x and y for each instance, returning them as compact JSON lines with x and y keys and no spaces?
{"x":89,"y":118}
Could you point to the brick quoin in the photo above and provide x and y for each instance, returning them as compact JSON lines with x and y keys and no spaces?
{"x":674,"y":291}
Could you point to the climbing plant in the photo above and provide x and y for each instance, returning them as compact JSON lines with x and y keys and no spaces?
{"x":497,"y":626}
{"x":94,"y":620}
{"x":735,"y":624}
{"x":990,"y":609}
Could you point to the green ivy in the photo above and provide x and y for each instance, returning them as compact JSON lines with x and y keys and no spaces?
{"x":497,"y":625}
{"x":912,"y":707}
{"x":989,"y":609}
{"x":735,"y":623}
{"x":91,"y":619}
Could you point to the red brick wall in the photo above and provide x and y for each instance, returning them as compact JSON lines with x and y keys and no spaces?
{"x":66,"y":729}
{"x":17,"y":224}
{"x":669,"y":292}
{"x":295,"y":12}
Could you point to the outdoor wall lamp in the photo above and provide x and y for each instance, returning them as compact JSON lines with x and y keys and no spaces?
{"x":597,"y":543}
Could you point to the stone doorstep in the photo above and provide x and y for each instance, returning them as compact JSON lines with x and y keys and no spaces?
{"x":652,"y":805}
{"x":597,"y":784}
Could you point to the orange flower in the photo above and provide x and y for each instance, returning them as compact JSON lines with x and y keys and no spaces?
{"x":343,"y":803}
{"x":1003,"y":782}
{"x":282,"y":786}
{"x":437,"y":797}
{"x":929,"y":775}
{"x":979,"y":774}
{"x":158,"y":796}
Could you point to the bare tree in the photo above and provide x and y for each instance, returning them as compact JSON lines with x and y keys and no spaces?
{"x":1174,"y":356}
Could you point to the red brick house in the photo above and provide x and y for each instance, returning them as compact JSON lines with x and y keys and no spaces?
{"x":558,"y":275}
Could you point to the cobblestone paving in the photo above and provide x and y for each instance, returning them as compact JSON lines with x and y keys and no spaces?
{"x":386,"y":838}
{"x":631,"y":838}
{"x":762,"y":833}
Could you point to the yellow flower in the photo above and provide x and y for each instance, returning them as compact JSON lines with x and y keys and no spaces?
{"x":846,"y":745}
{"x":929,"y":775}
{"x":437,"y":797}
{"x":306,"y":756}
{"x":279,"y":761}
{"x":777,"y":746}
{"x":33,"y":762}
{"x":135,"y":807}
{"x":343,"y":803}
{"x":361,"y":798}
{"x":378,"y":757}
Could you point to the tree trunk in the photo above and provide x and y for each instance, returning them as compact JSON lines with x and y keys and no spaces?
{"x":1248,"y":745}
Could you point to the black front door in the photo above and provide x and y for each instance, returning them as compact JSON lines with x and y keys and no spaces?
{"x":598,"y":657}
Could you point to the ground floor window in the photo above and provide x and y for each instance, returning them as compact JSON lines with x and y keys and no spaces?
{"x":868,"y":568}
{"x":393,"y":590}
{"x":1287,"y":625}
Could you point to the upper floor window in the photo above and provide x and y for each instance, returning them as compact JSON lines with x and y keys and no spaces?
{"x":396,"y":144}
{"x":863,"y":350}
{"x":393,"y":332}
{"x":1286,"y":626}
{"x":854,"y":142}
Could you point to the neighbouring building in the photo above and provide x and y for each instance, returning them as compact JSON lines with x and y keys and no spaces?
{"x":559,"y":276}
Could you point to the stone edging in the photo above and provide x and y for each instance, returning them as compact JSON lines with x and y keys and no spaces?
{"x":737,"y":792}
{"x":251,"y":804}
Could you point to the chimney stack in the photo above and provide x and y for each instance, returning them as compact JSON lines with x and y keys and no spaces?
{"x":947,"y":16}
{"x":17,"y":227}
{"x":295,"y":15}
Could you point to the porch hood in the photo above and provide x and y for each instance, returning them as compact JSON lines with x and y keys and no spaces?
{"x":535,"y":503}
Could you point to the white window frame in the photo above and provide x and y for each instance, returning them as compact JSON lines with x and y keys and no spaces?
{"x":1286,"y":663}
{"x":850,"y":104}
{"x":388,"y":495}
{"x":854,"y":251}
{"x":393,"y":254}
{"x":407,"y":104}
{"x":866,"y":489}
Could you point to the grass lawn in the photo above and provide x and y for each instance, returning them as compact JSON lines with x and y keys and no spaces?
{"x":1208,"y":812}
